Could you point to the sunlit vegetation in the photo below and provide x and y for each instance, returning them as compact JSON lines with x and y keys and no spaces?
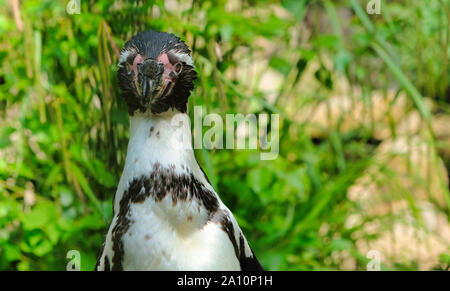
{"x":364,"y":105}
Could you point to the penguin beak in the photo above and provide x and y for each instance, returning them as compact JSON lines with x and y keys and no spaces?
{"x":147,"y":88}
{"x":149,"y":79}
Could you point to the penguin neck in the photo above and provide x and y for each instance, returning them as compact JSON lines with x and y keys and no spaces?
{"x":160,"y":138}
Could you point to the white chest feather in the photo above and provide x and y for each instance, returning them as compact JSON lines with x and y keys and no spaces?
{"x":171,"y":244}
{"x":164,"y":208}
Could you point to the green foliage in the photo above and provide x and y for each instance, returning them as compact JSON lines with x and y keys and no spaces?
{"x":64,"y":129}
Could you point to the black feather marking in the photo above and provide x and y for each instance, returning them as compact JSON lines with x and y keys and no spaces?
{"x":119,"y":230}
{"x":247,"y":263}
{"x":157,"y":185}
{"x":99,"y":256}
{"x":224,"y":220}
{"x":106,"y":264}
{"x":204,"y":174}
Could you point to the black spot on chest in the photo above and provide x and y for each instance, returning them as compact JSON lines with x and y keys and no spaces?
{"x":151,"y":131}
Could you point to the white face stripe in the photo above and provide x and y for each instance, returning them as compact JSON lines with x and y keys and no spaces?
{"x":124,"y":56}
{"x":183,"y":57}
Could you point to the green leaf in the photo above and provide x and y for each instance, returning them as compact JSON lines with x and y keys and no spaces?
{"x":12,"y":252}
{"x":52,"y":232}
{"x":324,"y":77}
{"x":259,"y":179}
{"x":43,"y":248}
{"x":39,"y":216}
{"x":281,"y":65}
{"x":87,"y":188}
{"x":295,"y":7}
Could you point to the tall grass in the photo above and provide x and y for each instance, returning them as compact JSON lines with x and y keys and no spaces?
{"x":64,"y":127}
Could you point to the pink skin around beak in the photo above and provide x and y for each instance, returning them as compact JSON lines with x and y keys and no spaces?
{"x":169,"y":69}
{"x":169,"y":75}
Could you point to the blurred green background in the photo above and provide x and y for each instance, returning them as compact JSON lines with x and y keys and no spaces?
{"x":364,"y":104}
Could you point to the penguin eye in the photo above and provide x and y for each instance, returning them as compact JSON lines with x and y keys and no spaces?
{"x":130,"y":58}
{"x":178,"y":67}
